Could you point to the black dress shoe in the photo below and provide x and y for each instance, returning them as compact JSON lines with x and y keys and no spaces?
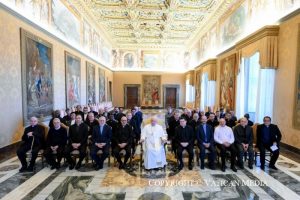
{"x":223,"y":168}
{"x":190,"y":167}
{"x":262,"y":167}
{"x":121,"y":166}
{"x":53,"y":167}
{"x":78,"y":165}
{"x":233,"y":168}
{"x":180,"y":167}
{"x":213,"y":168}
{"x":273,"y":167}
{"x":71,"y":167}
{"x":241,"y":166}
{"x":23,"y":169}
{"x":97,"y":167}
{"x":202,"y":167}
{"x":30,"y":169}
{"x":250,"y":166}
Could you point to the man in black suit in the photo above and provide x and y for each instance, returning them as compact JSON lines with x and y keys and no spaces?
{"x":194,"y":122}
{"x":136,"y":123}
{"x":101,"y":138}
{"x":78,"y":135}
{"x":205,"y":140}
{"x":173,"y":123}
{"x":243,"y":139}
{"x":114,"y":126}
{"x":212,"y":121}
{"x":79,"y":111}
{"x":33,"y":139}
{"x":123,"y":139}
{"x":91,"y":122}
{"x":56,"y":114}
{"x":184,"y":137}
{"x":268,"y":135}
{"x":229,"y":121}
{"x":250,"y":123}
{"x":56,"y":141}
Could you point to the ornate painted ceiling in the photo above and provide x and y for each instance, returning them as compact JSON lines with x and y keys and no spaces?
{"x":151,"y":23}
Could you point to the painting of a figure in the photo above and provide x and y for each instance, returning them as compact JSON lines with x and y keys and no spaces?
{"x":102,"y":96}
{"x":65,"y":22}
{"x":36,"y":76}
{"x":227,"y":82}
{"x":91,"y":85}
{"x":72,"y":80}
{"x":234,"y":26}
{"x":128,"y":60}
{"x":151,"y":90}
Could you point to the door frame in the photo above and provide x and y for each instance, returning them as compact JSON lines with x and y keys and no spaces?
{"x":125,"y":93}
{"x":165,"y":86}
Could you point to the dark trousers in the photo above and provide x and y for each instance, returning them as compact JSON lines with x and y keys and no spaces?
{"x":117,"y":150}
{"x":223,"y":150}
{"x":50,"y":157}
{"x":274,"y":154}
{"x":82,"y":153}
{"x":190,"y":150}
{"x":21,"y":152}
{"x":241,"y":153}
{"x":99,"y":159}
{"x":211,"y":155}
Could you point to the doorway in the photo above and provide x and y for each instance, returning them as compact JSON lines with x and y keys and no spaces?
{"x":131,"y":96}
{"x":171,"y":95}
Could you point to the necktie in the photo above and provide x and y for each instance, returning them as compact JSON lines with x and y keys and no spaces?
{"x":205,"y":136}
{"x":101,"y":129}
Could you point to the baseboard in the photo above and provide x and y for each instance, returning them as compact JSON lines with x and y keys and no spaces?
{"x":9,"y":151}
{"x":290,"y":148}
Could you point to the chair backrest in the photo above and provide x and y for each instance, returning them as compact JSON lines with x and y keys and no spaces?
{"x":254,"y":127}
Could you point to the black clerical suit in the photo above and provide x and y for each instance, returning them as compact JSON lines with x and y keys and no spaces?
{"x":213,"y":123}
{"x":205,"y":134}
{"x":91,"y":125}
{"x":99,"y":136}
{"x":77,"y":134}
{"x":266,"y":136}
{"x":243,"y":135}
{"x":194,"y":124}
{"x":185,"y":134}
{"x":136,"y":124}
{"x":173,"y":123}
{"x":33,"y":143}
{"x":124,"y":134}
{"x":55,"y":137}
{"x":62,"y":120}
{"x":114,"y":127}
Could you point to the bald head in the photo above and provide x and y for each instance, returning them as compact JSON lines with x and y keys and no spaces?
{"x":33,"y":121}
{"x":222,"y":122}
{"x":124,"y":121}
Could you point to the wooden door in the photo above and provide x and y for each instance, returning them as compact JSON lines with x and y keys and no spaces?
{"x":132,"y":97}
{"x":171,"y":97}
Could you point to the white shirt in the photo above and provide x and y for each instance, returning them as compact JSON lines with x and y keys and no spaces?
{"x":223,"y":134}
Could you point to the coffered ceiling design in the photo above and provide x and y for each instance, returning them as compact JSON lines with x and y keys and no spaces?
{"x":150,"y":23}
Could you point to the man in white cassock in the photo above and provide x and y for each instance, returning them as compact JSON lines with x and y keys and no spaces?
{"x":153,"y":139}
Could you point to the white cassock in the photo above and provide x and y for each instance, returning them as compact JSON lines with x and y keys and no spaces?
{"x":154,"y":152}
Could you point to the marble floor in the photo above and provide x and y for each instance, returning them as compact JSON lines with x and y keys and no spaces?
{"x":136,"y":183}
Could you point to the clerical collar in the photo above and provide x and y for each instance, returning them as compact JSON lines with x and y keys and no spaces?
{"x":57,"y":128}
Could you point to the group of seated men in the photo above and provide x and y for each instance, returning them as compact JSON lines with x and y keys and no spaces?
{"x":103,"y":130}
{"x":72,"y":133}
{"x":222,"y":131}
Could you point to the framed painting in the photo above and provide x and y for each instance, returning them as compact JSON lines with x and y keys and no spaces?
{"x":151,"y":90}
{"x":73,"y":79}
{"x":90,"y":83}
{"x":37,"y":77}
{"x":102,"y":96}
{"x":296,"y":114}
{"x":227,"y":82}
